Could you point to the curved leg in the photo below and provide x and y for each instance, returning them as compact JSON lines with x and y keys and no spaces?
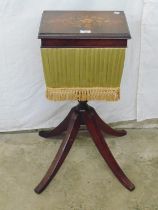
{"x":106,"y":128}
{"x":63,"y":151}
{"x":58,"y":130}
{"x":105,"y":151}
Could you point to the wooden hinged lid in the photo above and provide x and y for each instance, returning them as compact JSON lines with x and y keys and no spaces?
{"x":83,"y":24}
{"x":83,"y":29}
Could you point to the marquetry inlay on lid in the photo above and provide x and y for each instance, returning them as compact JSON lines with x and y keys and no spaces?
{"x":82,"y":24}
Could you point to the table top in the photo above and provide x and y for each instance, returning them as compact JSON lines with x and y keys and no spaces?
{"x":84,"y":24}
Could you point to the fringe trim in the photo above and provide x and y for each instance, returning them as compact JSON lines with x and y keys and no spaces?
{"x":83,"y":94}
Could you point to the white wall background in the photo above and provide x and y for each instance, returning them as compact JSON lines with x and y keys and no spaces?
{"x":22,"y":89}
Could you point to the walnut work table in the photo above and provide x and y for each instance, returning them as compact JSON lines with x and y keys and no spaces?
{"x":83,"y":55}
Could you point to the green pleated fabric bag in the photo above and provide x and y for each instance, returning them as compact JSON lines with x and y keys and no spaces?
{"x":83,"y":73}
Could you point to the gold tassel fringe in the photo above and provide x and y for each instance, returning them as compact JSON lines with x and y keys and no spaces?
{"x":83,"y":94}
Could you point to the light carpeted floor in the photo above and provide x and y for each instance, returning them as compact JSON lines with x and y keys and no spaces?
{"x":84,"y":182}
